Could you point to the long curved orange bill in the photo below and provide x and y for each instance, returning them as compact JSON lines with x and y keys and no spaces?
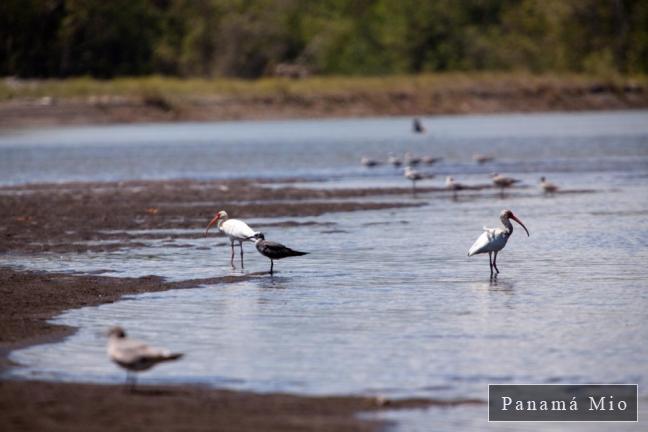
{"x":521,"y":224}
{"x":213,"y":221}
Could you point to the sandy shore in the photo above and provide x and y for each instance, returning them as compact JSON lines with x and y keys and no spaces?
{"x":46,"y":218}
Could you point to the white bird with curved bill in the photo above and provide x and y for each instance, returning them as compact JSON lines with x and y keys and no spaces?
{"x":235,"y":229}
{"x":493,"y":240}
{"x":134,"y":355}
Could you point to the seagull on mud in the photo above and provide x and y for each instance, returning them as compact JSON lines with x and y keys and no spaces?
{"x":235,"y":229}
{"x":135,"y":356}
{"x":493,"y":240}
{"x":274,"y":250}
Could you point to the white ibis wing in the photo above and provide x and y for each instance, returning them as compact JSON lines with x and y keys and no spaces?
{"x":488,"y":241}
{"x":237,"y":229}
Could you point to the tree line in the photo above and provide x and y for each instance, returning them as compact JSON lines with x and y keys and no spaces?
{"x":249,"y":38}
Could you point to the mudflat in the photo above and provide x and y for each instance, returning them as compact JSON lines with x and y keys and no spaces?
{"x":60,"y":218}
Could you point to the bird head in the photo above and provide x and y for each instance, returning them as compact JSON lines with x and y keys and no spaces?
{"x":508,"y":214}
{"x":117,"y":332}
{"x":221,"y":215}
{"x":542,"y":179}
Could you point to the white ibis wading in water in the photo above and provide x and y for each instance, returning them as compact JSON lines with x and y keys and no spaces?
{"x":274,"y":250}
{"x":133,"y":355}
{"x":235,"y":229}
{"x":547,"y":187}
{"x":493,"y":240}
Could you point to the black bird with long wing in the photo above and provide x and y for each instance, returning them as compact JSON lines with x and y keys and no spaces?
{"x":274,"y":250}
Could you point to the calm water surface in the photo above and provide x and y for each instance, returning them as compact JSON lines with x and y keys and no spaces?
{"x":387,"y":303}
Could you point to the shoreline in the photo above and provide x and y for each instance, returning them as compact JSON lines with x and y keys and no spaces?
{"x":60,"y":218}
{"x":154,"y":99}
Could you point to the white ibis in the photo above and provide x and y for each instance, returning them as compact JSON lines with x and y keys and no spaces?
{"x":503,"y":182}
{"x":454,"y":186}
{"x":274,"y":250}
{"x":368,"y":162}
{"x":396,"y":162}
{"x":417,"y":126}
{"x":235,"y":229}
{"x":429,"y":160}
{"x":547,"y":187}
{"x":493,"y":240}
{"x":133,"y":355}
{"x":482,"y":159}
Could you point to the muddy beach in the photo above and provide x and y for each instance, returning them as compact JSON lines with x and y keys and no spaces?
{"x":52,"y":218}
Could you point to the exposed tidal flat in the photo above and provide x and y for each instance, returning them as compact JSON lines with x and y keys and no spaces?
{"x":386,"y":308}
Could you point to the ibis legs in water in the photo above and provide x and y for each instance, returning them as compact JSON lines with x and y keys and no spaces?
{"x":232,"y":258}
{"x":493,"y":263}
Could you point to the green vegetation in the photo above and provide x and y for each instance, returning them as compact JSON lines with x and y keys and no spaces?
{"x":156,"y":87}
{"x":248,"y":38}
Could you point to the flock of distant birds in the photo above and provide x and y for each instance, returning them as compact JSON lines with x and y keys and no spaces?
{"x":410,"y":162}
{"x":410,"y":173}
{"x":136,"y":356}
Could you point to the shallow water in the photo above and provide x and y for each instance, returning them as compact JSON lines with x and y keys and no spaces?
{"x":325,"y":148}
{"x":388,"y":303}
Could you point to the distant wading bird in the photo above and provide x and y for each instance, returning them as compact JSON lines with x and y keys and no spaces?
{"x":482,"y":159}
{"x":454,"y":186}
{"x":235,"y":229}
{"x":417,"y":126}
{"x":368,"y":162}
{"x":414,"y":176}
{"x":274,"y":250}
{"x":493,"y":240}
{"x":135,"y":356}
{"x":503,"y":182}
{"x":547,"y":187}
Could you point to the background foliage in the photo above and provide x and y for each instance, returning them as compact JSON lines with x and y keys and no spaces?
{"x":247,"y":38}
